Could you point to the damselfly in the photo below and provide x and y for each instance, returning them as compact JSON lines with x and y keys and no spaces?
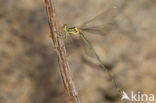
{"x":101,"y":27}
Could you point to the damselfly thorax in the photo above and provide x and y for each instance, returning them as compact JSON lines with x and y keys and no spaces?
{"x":70,"y":30}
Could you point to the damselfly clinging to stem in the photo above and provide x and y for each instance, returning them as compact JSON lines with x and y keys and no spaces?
{"x":104,"y":23}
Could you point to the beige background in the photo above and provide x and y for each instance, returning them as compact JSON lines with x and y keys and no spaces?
{"x":29,"y":71}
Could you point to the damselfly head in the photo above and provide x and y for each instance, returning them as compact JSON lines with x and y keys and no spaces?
{"x":64,"y":28}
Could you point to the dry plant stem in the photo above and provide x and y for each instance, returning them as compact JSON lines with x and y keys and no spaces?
{"x":60,"y":50}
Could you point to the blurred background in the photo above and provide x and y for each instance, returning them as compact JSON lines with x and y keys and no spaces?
{"x":29,"y":70}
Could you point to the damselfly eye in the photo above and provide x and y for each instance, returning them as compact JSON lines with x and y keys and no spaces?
{"x":64,"y":28}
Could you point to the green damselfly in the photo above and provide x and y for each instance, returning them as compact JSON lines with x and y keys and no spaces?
{"x":100,"y":28}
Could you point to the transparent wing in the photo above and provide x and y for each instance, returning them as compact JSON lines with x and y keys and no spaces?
{"x":105,"y":21}
{"x":99,"y":29}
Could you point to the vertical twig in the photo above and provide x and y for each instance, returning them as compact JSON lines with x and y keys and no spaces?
{"x":60,"y":50}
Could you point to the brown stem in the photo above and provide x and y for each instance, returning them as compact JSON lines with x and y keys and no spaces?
{"x":60,"y":50}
